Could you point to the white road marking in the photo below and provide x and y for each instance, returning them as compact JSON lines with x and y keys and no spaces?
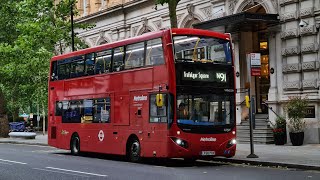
{"x":80,"y":172}
{"x":16,"y":162}
{"x":5,"y":163}
{"x":49,"y":151}
{"x":73,"y":174}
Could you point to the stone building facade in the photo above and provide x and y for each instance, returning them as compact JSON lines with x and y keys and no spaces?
{"x":285,"y":32}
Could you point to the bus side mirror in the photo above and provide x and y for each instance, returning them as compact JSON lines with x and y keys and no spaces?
{"x":159,"y":100}
{"x":247,"y":101}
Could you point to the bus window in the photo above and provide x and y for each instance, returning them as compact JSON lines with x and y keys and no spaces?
{"x":118,"y":57}
{"x":158,"y":114}
{"x":63,"y":71}
{"x":154,"y":52}
{"x":72,"y":111}
{"x":77,"y":67}
{"x":54,"y":73}
{"x":103,"y":62}
{"x":59,"y":109}
{"x":202,"y":49}
{"x":134,"y":55}
{"x":87,"y":115}
{"x":101,"y":110}
{"x":90,"y":64}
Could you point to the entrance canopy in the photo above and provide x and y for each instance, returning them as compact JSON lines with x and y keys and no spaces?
{"x":244,"y":21}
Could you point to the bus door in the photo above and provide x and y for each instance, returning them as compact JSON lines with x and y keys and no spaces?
{"x":158,"y":124}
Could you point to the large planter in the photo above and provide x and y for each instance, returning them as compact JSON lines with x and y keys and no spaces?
{"x":280,"y":138}
{"x":297,"y":138}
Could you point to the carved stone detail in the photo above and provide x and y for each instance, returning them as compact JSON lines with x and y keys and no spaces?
{"x":94,"y":40}
{"x":288,"y":16}
{"x":216,"y":1}
{"x":207,"y":11}
{"x":232,"y":4}
{"x":157,"y":24}
{"x":179,"y":18}
{"x":285,"y":2}
{"x":144,"y":21}
{"x":275,"y":3}
{"x":190,"y":9}
{"x":134,"y":30}
{"x":290,"y":51}
{"x":307,"y":12}
{"x":310,"y":66}
{"x":219,"y":15}
{"x":291,"y":33}
{"x":309,"y":48}
{"x":294,"y":85}
{"x":310,"y":84}
{"x":308,"y":30}
{"x":291,"y":68}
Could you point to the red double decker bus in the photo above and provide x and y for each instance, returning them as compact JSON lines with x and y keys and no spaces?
{"x":166,"y":94}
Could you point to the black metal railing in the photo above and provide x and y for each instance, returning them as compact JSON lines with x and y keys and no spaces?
{"x":266,"y":104}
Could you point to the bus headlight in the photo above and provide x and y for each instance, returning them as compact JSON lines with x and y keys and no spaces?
{"x":180,"y":142}
{"x":231,"y":143}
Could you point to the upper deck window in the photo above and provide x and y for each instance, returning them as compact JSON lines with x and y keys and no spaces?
{"x":141,"y":54}
{"x":77,"y":67}
{"x":202,"y":49}
{"x":154,"y":52}
{"x":134,"y":55}
{"x":103,"y":61}
{"x":118,"y":57}
{"x":90,"y":64}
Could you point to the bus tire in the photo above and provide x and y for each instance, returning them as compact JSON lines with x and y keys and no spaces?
{"x":134,"y":151}
{"x":75,"y":145}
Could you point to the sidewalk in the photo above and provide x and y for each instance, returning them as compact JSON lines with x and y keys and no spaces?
{"x":300,"y":157}
{"x":39,"y":140}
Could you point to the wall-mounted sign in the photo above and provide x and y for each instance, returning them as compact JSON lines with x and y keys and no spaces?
{"x":255,"y":59}
{"x":310,"y":112}
{"x":255,"y":63}
{"x":255,"y":71}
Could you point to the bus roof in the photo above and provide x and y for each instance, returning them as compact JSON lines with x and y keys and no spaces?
{"x":146,"y":36}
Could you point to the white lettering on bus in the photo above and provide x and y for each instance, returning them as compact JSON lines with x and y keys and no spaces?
{"x":195,"y":75}
{"x":222,"y":77}
{"x":140,"y":98}
{"x":204,"y":139}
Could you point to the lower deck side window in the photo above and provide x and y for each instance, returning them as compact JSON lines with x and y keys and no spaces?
{"x":84,"y":111}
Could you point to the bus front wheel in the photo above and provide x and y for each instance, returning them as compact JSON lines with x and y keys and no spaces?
{"x":75,"y":145}
{"x":134,"y":151}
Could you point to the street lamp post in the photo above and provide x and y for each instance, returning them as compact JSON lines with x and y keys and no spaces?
{"x":72,"y":32}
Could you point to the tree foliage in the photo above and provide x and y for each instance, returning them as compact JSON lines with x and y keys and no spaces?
{"x":32,"y":31}
{"x":172,"y":4}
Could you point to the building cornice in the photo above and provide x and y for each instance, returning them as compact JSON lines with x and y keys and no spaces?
{"x":110,"y":10}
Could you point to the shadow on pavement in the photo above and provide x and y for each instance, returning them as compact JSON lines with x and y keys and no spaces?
{"x":150,"y":161}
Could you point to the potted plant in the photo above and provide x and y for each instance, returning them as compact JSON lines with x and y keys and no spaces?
{"x":279,"y":131}
{"x":296,"y":109}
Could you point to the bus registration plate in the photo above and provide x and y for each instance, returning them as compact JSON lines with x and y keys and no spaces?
{"x":207,"y":153}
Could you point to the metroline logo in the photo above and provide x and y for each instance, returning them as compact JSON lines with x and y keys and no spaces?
{"x":140,"y":98}
{"x":211,"y":139}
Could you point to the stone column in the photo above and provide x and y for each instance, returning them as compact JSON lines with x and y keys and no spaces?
{"x":236,"y":52}
{"x":273,"y":60}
